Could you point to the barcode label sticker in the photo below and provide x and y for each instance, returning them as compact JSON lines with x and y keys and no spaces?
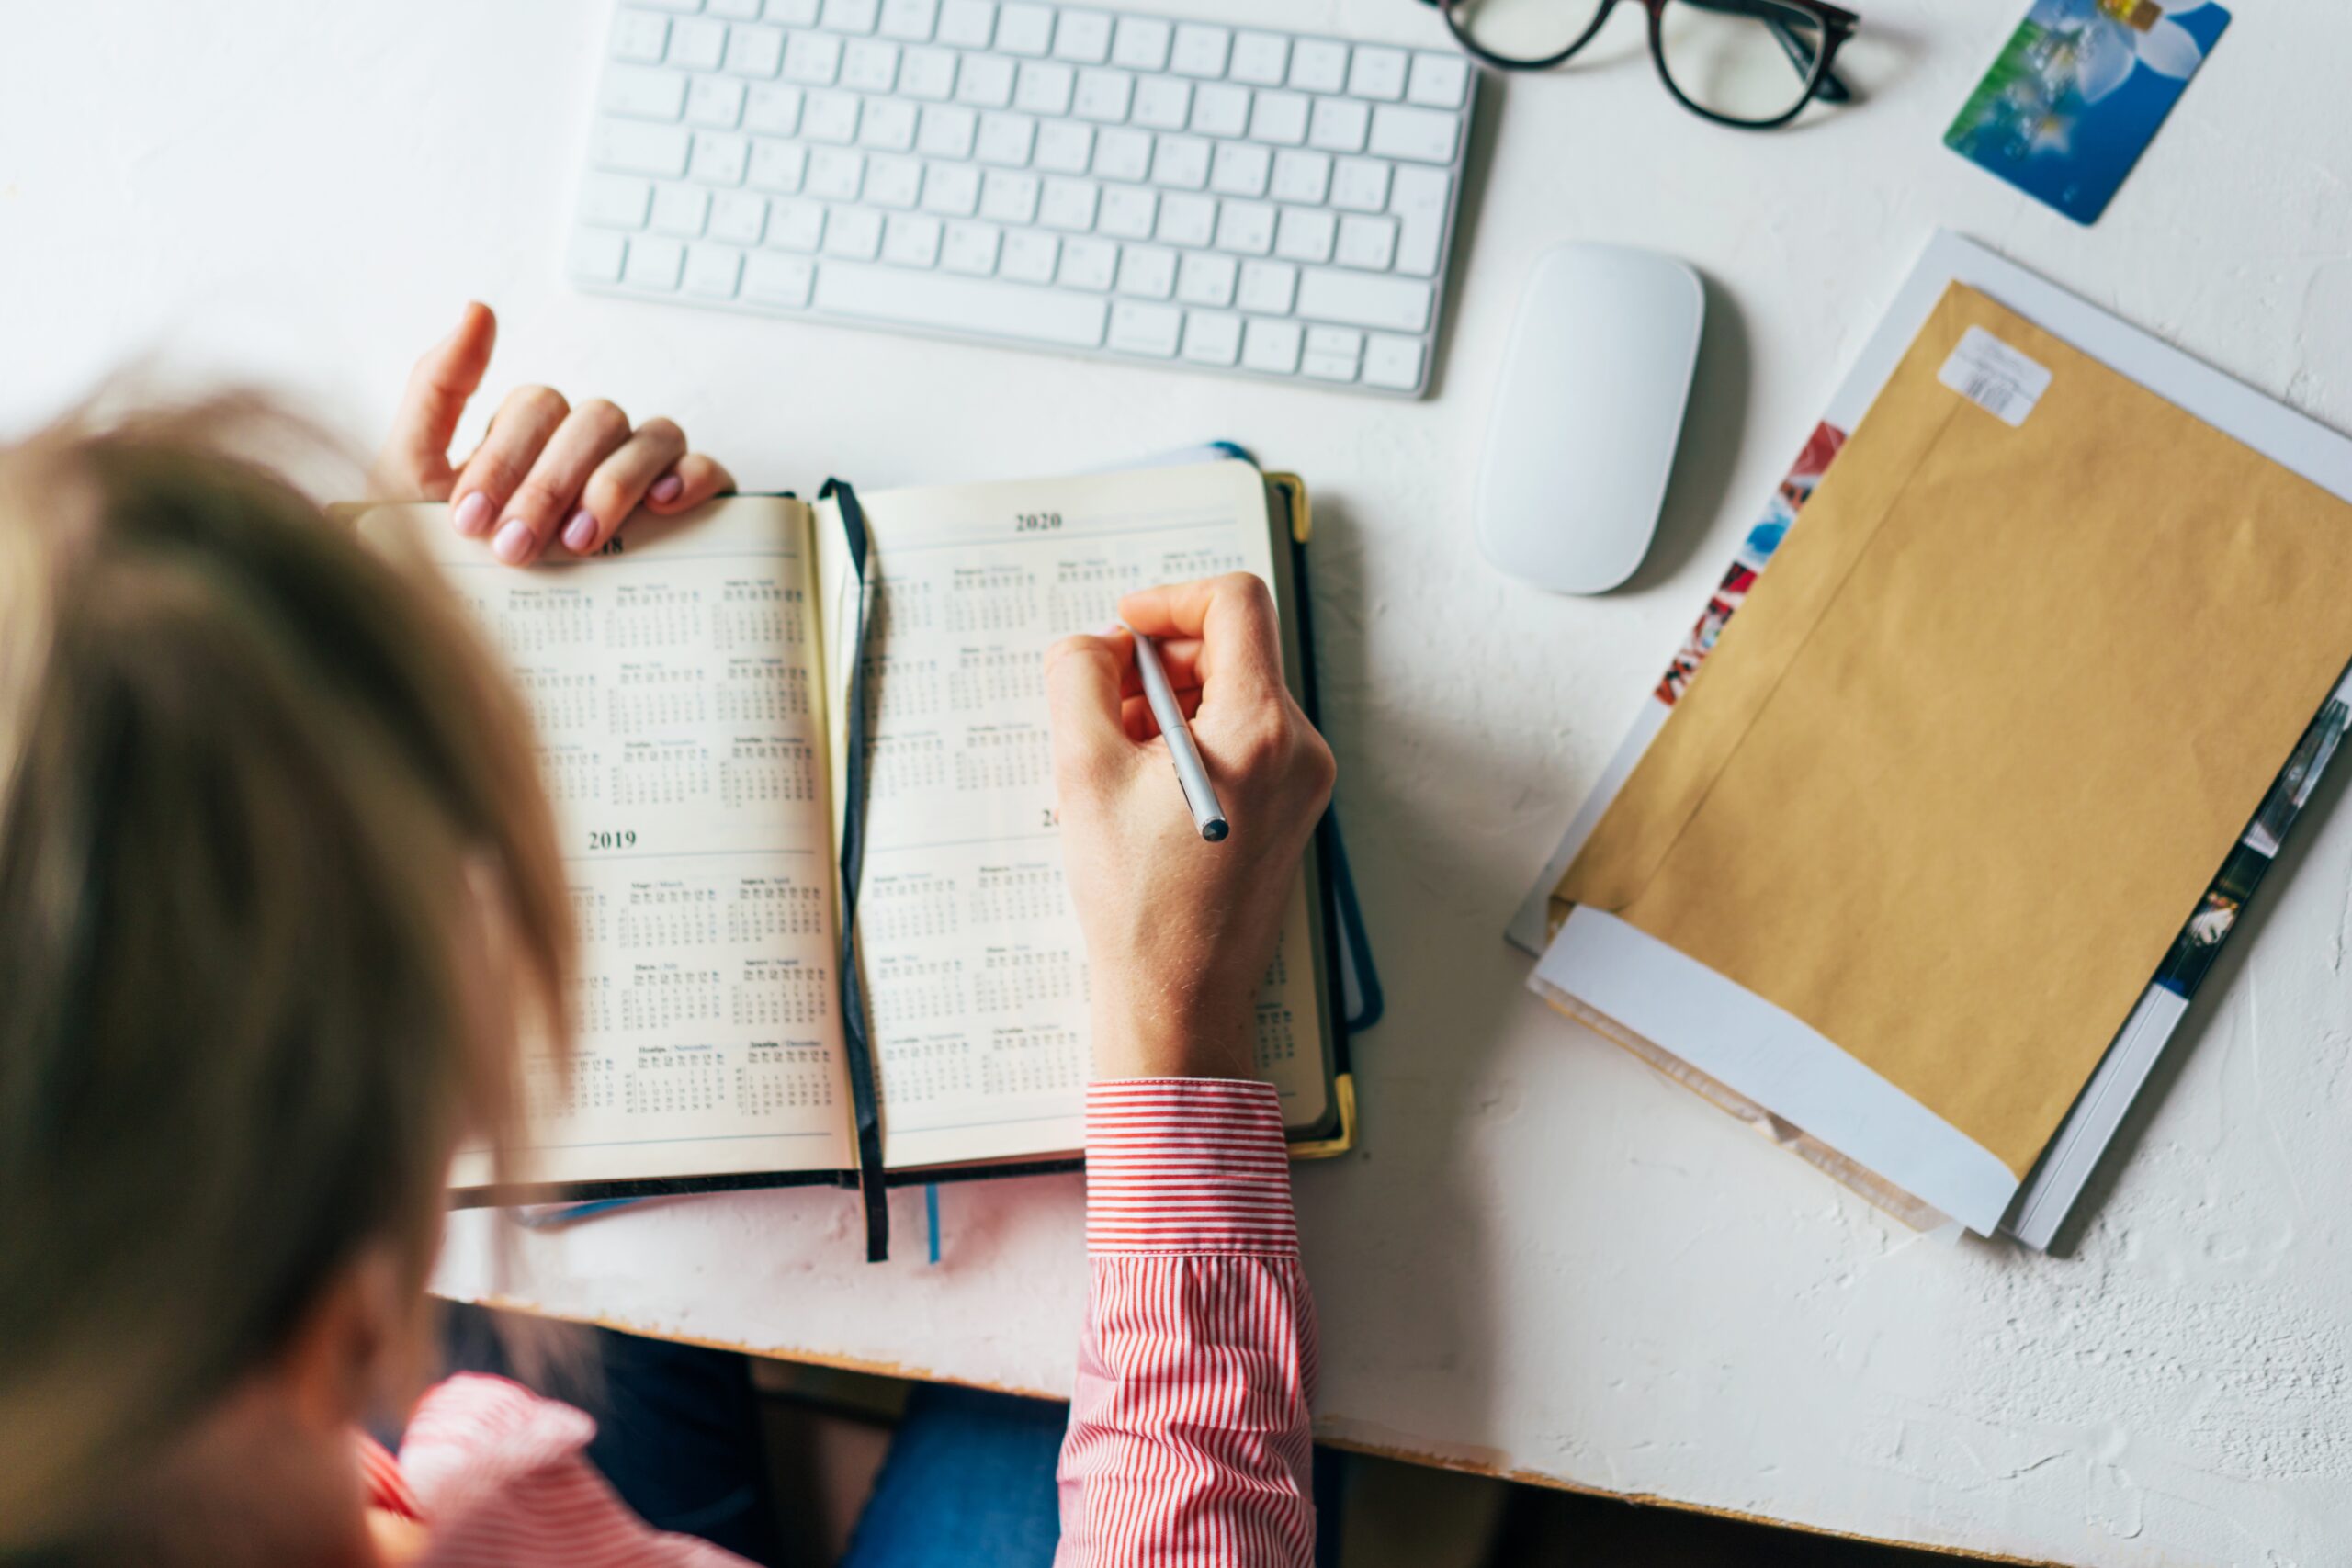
{"x":1994,"y":377}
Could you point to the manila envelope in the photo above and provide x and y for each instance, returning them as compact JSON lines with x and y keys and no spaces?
{"x":1973,"y":746}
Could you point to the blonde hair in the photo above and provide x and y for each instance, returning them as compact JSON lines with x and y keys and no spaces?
{"x":263,"y":798}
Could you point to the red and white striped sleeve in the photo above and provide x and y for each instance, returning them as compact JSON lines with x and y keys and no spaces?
{"x":1188,"y":1435}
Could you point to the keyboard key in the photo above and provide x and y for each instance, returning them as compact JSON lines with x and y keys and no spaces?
{"x":1148,"y":271}
{"x":1009,"y":198}
{"x":1162,"y":103}
{"x":1029,"y":256}
{"x":738,"y":220}
{"x":1122,"y":155}
{"x":1239,"y":169}
{"x":1206,"y":277}
{"x":631,"y":147}
{"x":1318,"y":65}
{"x":772,"y":280}
{"x":697,"y":44}
{"x":1338,"y":125}
{"x":1128,"y":213}
{"x":1088,"y":263}
{"x":1438,"y":82}
{"x":1181,"y":161}
{"x":854,"y":231}
{"x":597,"y":255}
{"x":1302,"y":177}
{"x":715,"y":102}
{"x":1331,"y":354}
{"x":869,"y":64}
{"x":1366,"y":243}
{"x":1104,"y":96}
{"x":1377,"y":74}
{"x":779,"y":166}
{"x":681,"y":211}
{"x":1424,"y":135}
{"x":1392,"y":362}
{"x":654,"y":263}
{"x":615,"y":201}
{"x":713,"y":271}
{"x":1417,"y":200}
{"x":1271,"y":346}
{"x":1212,"y":337}
{"x":967,"y":24}
{"x":985,"y":81}
{"x":640,"y":38}
{"x":733,"y":10}
{"x":812,"y":59}
{"x":1362,"y":299}
{"x":1023,"y":28}
{"x":1199,"y":50}
{"x":1084,"y":37}
{"x":849,"y":16}
{"x":909,"y":21}
{"x":834,"y":174}
{"x":1246,"y":227}
{"x":962,"y":304}
{"x":682,"y":5}
{"x":1146,"y":329}
{"x":643,"y":94}
{"x":1187,"y":220}
{"x":1267,"y":288}
{"x":1360,"y":184}
{"x":773,"y":108}
{"x":951,"y":188}
{"x":831,"y":117}
{"x":1064,"y":147}
{"x":791,"y":13}
{"x":1141,"y":43}
{"x":1306,"y":234}
{"x":1068,"y":204}
{"x":795,"y":225}
{"x":1220,"y":108}
{"x":1044,"y":87}
{"x":1005,"y":140}
{"x":888,"y":126}
{"x":719,"y":160}
{"x":912,"y":239}
{"x":1279,"y":117}
{"x":971,"y":248}
{"x":894,"y":182}
{"x":1259,"y":58}
{"x":927,"y":73}
{"x":948,"y":132}
{"x":754,"y":52}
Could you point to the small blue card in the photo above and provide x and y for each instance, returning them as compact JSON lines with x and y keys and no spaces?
{"x":2078,"y":92}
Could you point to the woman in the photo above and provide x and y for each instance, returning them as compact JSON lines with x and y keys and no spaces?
{"x":279,"y":895}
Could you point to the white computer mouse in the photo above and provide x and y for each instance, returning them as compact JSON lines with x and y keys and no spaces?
{"x":1585,"y":424}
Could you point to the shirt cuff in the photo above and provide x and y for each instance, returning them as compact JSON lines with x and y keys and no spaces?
{"x":1187,"y":1164}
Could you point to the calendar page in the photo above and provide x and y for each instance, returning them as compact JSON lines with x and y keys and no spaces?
{"x":975,"y":962}
{"x":675,"y":686}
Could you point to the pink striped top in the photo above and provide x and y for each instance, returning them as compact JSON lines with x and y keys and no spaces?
{"x":1188,"y":1438}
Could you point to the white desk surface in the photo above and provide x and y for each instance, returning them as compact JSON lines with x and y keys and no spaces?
{"x":1543,"y":1261}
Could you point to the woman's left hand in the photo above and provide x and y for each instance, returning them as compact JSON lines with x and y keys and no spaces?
{"x":546,"y":471}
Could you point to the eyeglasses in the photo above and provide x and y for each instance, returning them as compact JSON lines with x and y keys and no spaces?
{"x":1749,"y":64}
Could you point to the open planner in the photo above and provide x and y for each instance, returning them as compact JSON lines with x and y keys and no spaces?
{"x":714,"y":738}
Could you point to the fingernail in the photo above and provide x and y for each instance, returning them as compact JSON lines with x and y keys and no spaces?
{"x":580,"y":534}
{"x":1113,"y":629}
{"x":667,"y":488}
{"x":472,"y":515}
{"x":513,"y":542}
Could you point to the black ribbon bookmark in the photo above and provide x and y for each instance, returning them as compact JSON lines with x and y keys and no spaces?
{"x":870,"y":1185}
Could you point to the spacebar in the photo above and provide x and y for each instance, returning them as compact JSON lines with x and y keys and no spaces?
{"x":962,"y":304}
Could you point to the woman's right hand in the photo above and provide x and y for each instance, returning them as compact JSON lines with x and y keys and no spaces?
{"x":1178,"y":930}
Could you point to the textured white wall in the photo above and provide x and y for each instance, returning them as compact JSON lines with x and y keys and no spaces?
{"x":1544,"y":1258}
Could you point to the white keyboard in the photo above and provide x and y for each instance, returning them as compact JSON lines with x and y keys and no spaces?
{"x":1226,"y":199}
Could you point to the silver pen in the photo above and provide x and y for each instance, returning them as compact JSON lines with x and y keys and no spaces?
{"x":1191,"y":776}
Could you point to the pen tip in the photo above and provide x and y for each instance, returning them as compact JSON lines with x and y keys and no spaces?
{"x":1214,"y":829}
